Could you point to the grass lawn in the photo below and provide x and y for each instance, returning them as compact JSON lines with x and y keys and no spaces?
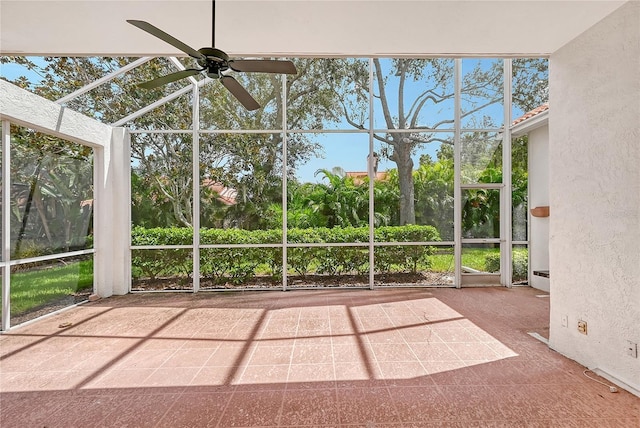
{"x":38,"y":287}
{"x":442,"y":261}
{"x":475,"y":258}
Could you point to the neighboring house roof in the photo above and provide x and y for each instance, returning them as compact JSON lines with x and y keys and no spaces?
{"x":530,"y":120}
{"x":358,"y":176}
{"x":226,"y":195}
{"x":536,"y":111}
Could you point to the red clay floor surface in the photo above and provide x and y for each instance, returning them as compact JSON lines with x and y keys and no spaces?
{"x":324,"y":358}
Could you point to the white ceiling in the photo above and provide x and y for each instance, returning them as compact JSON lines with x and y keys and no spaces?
{"x":298,"y":28}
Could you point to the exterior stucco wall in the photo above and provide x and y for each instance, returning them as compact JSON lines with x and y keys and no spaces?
{"x":24,"y":108}
{"x":539,"y":196}
{"x":594,"y":158}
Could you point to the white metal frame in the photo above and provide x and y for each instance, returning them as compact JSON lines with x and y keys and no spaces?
{"x":6,"y":224}
{"x":504,"y":240}
{"x":506,"y":215}
{"x":506,"y":205}
{"x":457,"y":192}
{"x":6,"y":262}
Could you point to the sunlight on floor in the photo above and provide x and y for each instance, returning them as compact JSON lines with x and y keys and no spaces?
{"x":211,"y":346}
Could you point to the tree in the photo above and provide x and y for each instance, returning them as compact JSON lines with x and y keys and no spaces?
{"x":417,"y":94}
{"x":530,"y":82}
{"x":155,"y":157}
{"x":434,"y":185}
{"x":249,"y":163}
{"x":340,"y":201}
{"x":51,"y":187}
{"x":252,"y":163}
{"x":413,"y":95}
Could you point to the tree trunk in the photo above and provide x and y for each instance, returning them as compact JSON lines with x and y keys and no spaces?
{"x":37,"y":199}
{"x":402,"y":157}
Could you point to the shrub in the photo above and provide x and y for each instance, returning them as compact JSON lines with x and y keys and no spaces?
{"x":236,"y":265}
{"x":520,"y":264}
{"x":405,"y":258}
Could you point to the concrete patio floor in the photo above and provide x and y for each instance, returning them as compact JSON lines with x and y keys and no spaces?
{"x":327,"y":358}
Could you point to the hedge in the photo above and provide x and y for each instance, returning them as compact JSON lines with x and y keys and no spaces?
{"x":237,"y":265}
{"x":520,"y":264}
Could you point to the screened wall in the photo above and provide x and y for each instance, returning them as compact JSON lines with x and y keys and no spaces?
{"x":355,"y":172}
{"x":47,"y":227}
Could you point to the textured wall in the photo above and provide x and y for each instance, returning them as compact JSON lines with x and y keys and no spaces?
{"x":27,"y":109}
{"x":539,"y":196}
{"x":594,"y":171}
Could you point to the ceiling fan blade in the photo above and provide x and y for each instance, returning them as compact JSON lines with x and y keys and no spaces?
{"x":240,"y":93}
{"x":151,"y":84}
{"x":155,"y":31}
{"x":263,"y":66}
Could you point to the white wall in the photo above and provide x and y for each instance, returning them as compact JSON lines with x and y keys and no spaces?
{"x":112,"y":215}
{"x":539,"y":196}
{"x":594,"y":166}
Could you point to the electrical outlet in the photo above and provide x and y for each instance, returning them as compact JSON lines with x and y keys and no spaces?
{"x":632,"y":349}
{"x":565,"y":321}
{"x":582,"y":327}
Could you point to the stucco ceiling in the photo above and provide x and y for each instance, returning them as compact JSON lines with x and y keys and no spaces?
{"x":298,"y":28}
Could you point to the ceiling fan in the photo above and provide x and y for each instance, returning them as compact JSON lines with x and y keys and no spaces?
{"x":215,"y":63}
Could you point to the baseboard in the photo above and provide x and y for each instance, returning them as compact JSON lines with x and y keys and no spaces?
{"x":635,"y":390}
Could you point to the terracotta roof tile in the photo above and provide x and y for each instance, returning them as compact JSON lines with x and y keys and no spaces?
{"x":536,"y":111}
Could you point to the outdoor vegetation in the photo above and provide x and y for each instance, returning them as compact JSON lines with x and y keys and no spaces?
{"x":59,"y":282}
{"x":241,"y":173}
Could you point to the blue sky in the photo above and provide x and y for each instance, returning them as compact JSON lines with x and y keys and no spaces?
{"x":11,"y":71}
{"x":350,"y":151}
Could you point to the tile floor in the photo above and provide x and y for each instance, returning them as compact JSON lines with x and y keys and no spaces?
{"x":323,"y":358}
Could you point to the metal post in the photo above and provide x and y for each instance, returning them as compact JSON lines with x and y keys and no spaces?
{"x":507,"y":200}
{"x":371,"y":182}
{"x":195,"y":160}
{"x":6,"y":224}
{"x":284,"y":182}
{"x":457,"y":192}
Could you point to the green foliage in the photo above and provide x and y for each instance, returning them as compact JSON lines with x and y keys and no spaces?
{"x":492,"y":262}
{"x":433,"y":181}
{"x":249,"y":163}
{"x":161,"y":263}
{"x":31,"y":248}
{"x":339,"y":202}
{"x":442,"y":260}
{"x":404,"y":258}
{"x":343,"y":202}
{"x":51,"y":194}
{"x":237,"y":265}
{"x":410,"y":93}
{"x":481,"y":210}
{"x":530,"y":82}
{"x":520,"y":263}
{"x":475,"y":258}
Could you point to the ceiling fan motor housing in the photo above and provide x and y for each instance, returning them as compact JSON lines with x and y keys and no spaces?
{"x":215,"y":61}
